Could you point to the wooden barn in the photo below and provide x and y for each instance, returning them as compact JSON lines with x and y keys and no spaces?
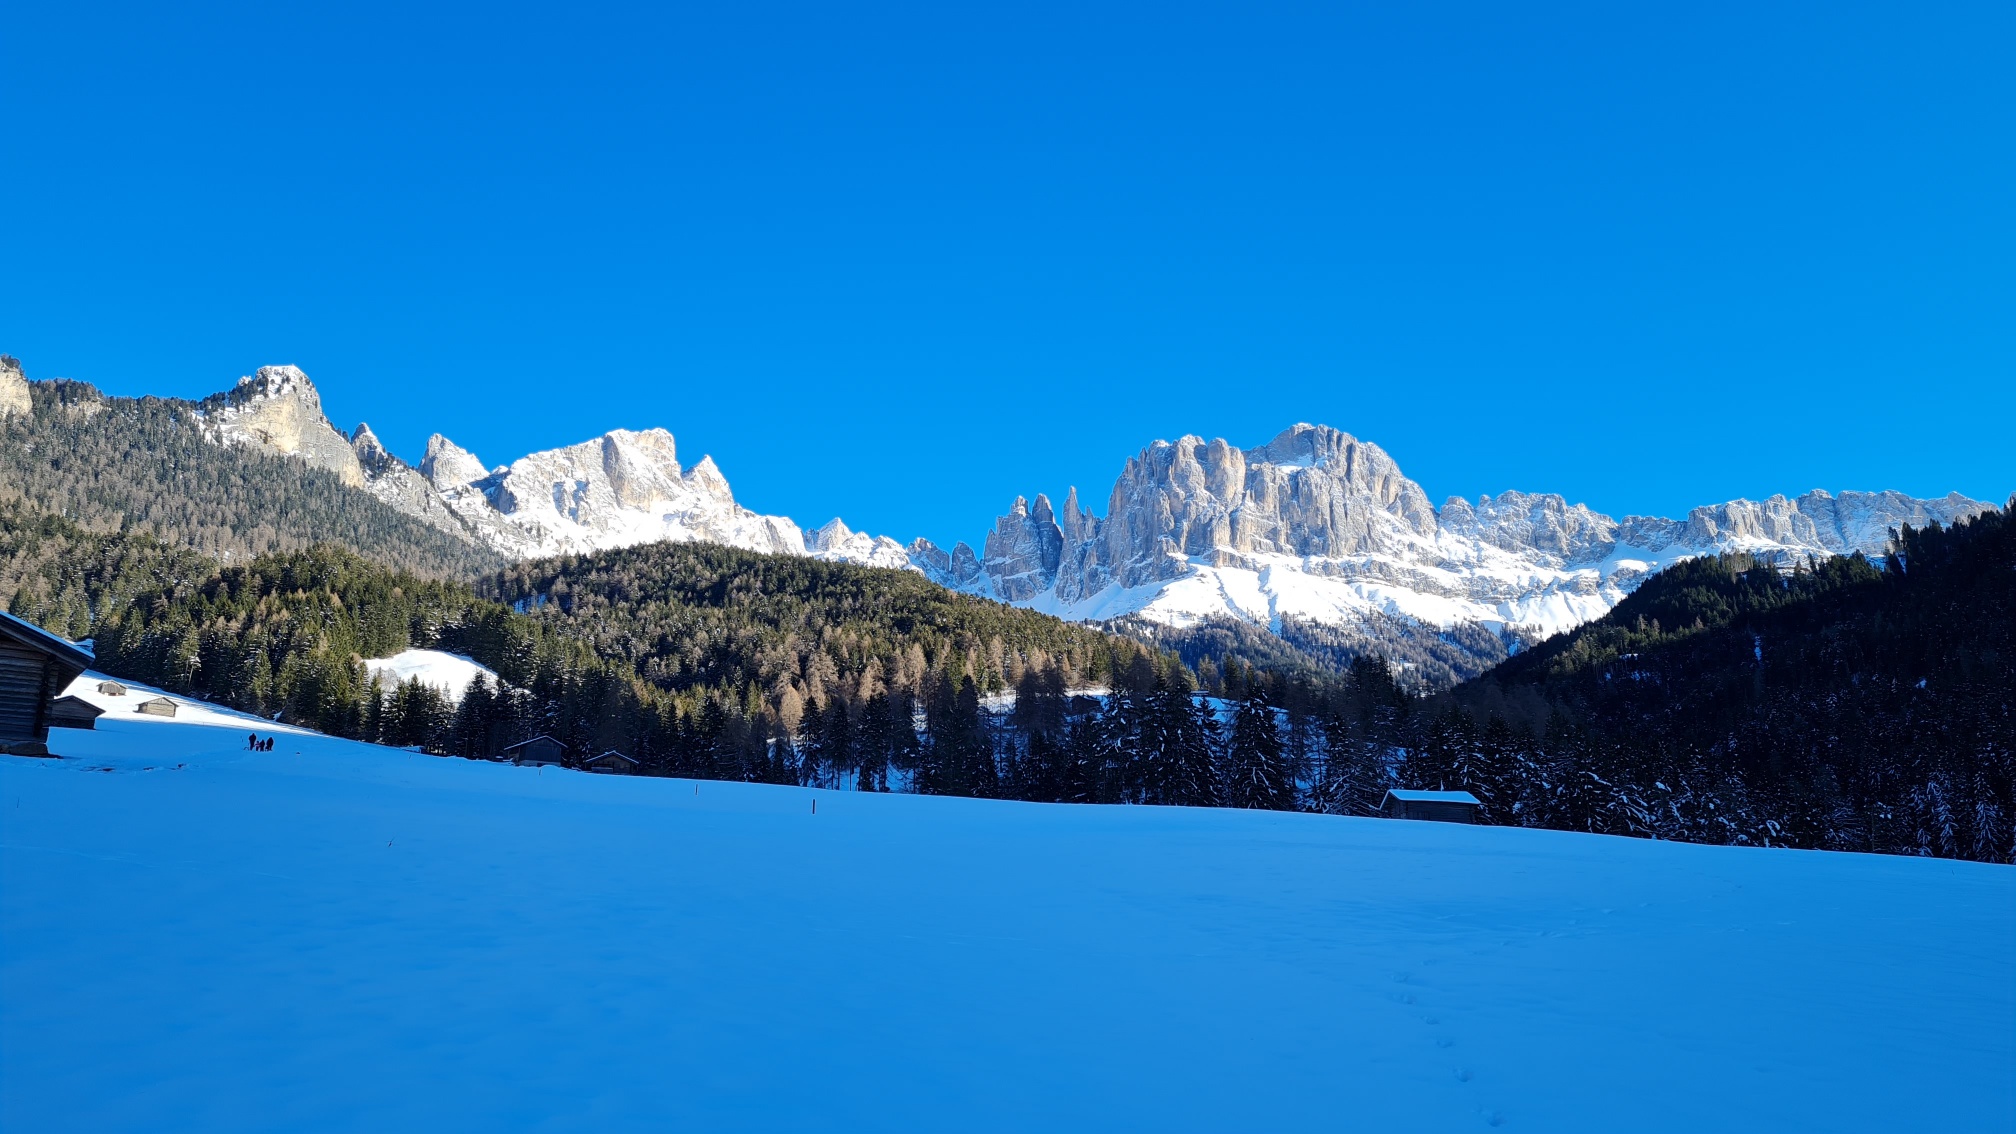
{"x":156,"y":707}
{"x":35,"y":668}
{"x":610,"y":761}
{"x":538,"y":750}
{"x":1440,"y":806}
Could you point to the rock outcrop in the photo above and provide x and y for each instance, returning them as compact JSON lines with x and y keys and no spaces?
{"x":279,"y":410}
{"x":14,"y":397}
{"x":399,"y":484}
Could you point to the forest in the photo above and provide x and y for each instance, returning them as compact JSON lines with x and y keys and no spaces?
{"x":1841,"y":704}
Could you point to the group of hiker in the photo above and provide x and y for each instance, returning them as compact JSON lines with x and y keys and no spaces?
{"x":254,"y":744}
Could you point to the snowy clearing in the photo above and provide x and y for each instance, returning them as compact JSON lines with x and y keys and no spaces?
{"x":333,"y":936}
{"x":448,"y":674}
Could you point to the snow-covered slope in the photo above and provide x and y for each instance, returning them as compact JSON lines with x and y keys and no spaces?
{"x":332,"y":936}
{"x":449,"y":674}
{"x":1320,"y":527}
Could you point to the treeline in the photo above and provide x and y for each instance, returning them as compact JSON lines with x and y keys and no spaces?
{"x":142,"y":465}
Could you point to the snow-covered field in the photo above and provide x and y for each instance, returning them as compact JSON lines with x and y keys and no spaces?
{"x":333,"y":936}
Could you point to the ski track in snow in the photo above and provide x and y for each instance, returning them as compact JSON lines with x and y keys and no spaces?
{"x":335,"y":936}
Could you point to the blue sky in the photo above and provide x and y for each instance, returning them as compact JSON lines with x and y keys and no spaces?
{"x":904,"y":263}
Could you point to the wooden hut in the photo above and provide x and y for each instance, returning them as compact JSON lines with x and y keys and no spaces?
{"x":111,"y":689}
{"x":35,"y":667}
{"x":73,"y":712}
{"x":538,"y":750}
{"x":610,"y":761}
{"x":1441,"y":806}
{"x":156,"y":707}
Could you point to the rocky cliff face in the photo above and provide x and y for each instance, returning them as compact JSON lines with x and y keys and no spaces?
{"x":13,"y":388}
{"x":626,"y":488}
{"x":397,"y":483}
{"x":279,"y":410}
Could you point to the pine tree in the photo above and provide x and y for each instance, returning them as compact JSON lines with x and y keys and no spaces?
{"x":1256,"y":769}
{"x":1185,"y":773}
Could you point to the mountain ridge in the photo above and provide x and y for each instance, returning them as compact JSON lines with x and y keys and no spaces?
{"x":1315,"y":527}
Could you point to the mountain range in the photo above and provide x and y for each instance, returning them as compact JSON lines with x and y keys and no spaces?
{"x":1313,"y":532}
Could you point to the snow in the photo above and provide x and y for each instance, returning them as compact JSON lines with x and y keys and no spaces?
{"x":448,"y":673}
{"x":333,"y":936}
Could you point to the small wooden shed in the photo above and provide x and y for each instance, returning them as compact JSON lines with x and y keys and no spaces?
{"x":610,"y":761}
{"x":111,"y":689}
{"x":156,"y":707}
{"x":1440,"y":806}
{"x":35,"y":667}
{"x":538,"y":750}
{"x":74,"y":712}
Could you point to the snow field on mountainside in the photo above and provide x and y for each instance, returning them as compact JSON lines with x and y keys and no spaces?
{"x":335,"y":936}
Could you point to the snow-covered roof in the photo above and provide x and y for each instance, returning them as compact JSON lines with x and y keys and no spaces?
{"x":27,"y":633}
{"x":1435,"y":797}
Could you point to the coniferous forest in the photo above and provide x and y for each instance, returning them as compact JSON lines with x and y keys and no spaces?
{"x":1841,"y":704}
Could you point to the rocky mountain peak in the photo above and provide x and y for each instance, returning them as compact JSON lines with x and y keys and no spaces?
{"x":279,"y":410}
{"x":447,"y":465}
{"x":372,"y":455}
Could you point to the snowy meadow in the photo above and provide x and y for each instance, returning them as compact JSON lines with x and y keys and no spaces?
{"x":335,"y":936}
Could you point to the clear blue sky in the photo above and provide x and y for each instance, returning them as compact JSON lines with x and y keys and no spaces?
{"x":902,"y":264}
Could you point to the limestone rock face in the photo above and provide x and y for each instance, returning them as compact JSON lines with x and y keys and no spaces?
{"x":1523,"y":523}
{"x":1023,"y":550}
{"x":1311,"y":491}
{"x":13,"y":388}
{"x":279,"y":410}
{"x":959,"y":570}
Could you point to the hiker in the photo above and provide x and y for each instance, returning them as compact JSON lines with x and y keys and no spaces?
{"x":252,"y":743}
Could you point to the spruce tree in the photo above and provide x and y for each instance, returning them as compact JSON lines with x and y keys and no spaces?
{"x":1256,"y":769}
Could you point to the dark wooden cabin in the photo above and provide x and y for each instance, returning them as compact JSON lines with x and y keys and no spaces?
{"x":35,"y":668}
{"x":73,"y":712}
{"x":610,"y":761}
{"x":1440,"y":806}
{"x":538,"y":750}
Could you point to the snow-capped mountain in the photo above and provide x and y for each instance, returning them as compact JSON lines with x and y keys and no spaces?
{"x":1313,"y":529}
{"x":1318,"y":527}
{"x":620,"y":489}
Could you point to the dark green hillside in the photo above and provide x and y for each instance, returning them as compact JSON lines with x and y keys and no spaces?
{"x":140,"y":465}
{"x":1835,"y":706}
{"x":791,"y":628}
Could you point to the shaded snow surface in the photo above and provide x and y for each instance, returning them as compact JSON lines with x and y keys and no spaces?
{"x":334,"y":936}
